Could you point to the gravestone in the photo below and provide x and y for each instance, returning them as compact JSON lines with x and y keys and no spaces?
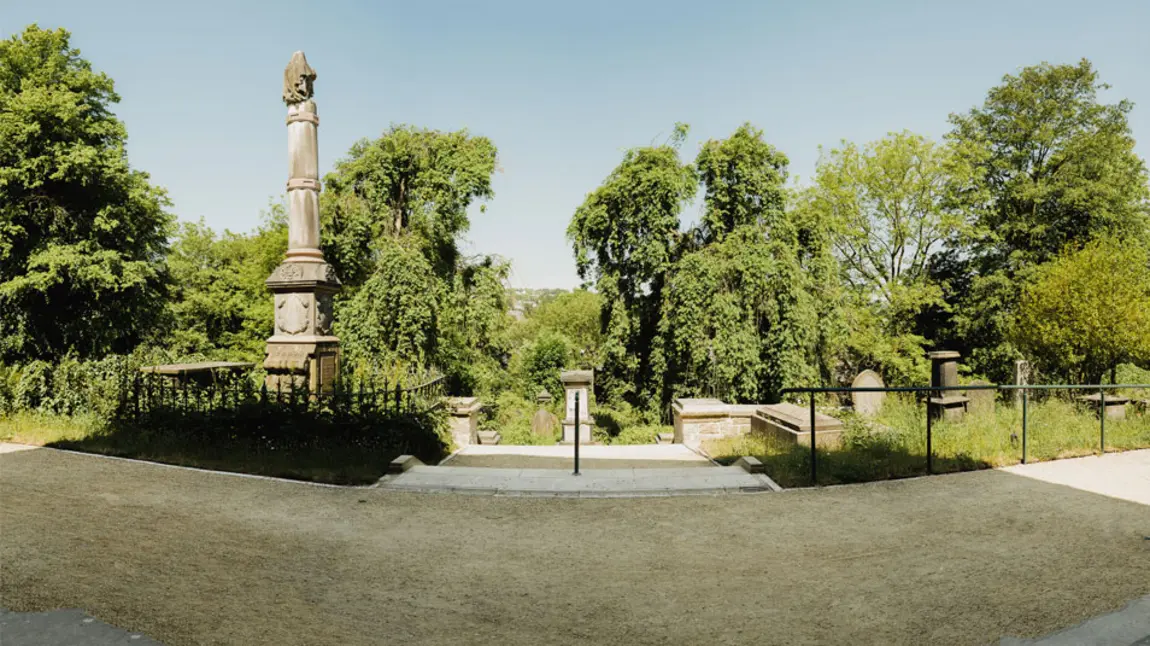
{"x":302,"y":351}
{"x":1021,"y":378}
{"x":981,"y":401}
{"x":544,"y":424}
{"x":577,"y":381}
{"x":869,"y":404}
{"x":947,"y":404}
{"x":1115,"y":404}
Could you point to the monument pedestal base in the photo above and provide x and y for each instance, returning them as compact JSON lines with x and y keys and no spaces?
{"x":585,"y":436}
{"x":311,"y":364}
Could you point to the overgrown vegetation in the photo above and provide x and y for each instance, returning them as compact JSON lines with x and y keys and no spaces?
{"x":893,"y":444}
{"x":106,"y":407}
{"x":895,"y":247}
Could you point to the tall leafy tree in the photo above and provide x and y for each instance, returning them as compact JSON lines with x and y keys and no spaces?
{"x":739,"y":316}
{"x":891,"y":206}
{"x":409,"y":182}
{"x":219,"y":304}
{"x":1055,"y":167}
{"x":82,"y":236}
{"x":1088,"y":311}
{"x":624,"y":236}
{"x":743,"y":178}
{"x":394,"y":212}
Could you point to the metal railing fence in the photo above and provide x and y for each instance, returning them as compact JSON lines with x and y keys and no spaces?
{"x":1025,"y":389}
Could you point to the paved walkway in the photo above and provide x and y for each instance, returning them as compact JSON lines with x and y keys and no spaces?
{"x":64,"y":628}
{"x":1118,"y":475}
{"x":591,"y":483}
{"x":643,"y":456}
{"x":1127,"y":627}
{"x":605,"y":472}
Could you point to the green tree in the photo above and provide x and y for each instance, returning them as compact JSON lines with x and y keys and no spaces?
{"x":219,"y":305}
{"x":739,"y":316}
{"x":574,"y":315}
{"x":743,"y":178}
{"x":393,"y":214}
{"x":543,"y":360}
{"x":412,"y":182}
{"x":393,"y":318}
{"x":82,"y":236}
{"x":624,"y":235}
{"x":1055,"y":167}
{"x":891,"y":207}
{"x":1088,"y":311}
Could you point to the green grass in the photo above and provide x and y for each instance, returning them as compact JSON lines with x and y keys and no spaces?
{"x":328,"y":462}
{"x":893,"y":445}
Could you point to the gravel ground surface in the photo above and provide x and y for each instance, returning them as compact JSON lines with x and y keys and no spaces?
{"x":190,"y":557}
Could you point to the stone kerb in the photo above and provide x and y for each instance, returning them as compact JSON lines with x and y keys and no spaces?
{"x":792,"y":424}
{"x":464,"y":419}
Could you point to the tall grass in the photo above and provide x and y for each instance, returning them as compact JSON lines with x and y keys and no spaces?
{"x":893,"y":444}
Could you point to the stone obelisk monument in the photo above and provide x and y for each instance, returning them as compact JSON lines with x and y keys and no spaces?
{"x":302,"y":351}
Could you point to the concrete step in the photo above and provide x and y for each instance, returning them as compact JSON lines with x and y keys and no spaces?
{"x":665,"y":438}
{"x":489,"y":437}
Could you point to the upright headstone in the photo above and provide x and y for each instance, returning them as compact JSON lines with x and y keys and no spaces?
{"x":544,"y":424}
{"x":577,"y":381}
{"x":302,"y":351}
{"x":948,"y":404}
{"x":865,"y":403}
{"x":981,"y":401}
{"x":1021,"y":378}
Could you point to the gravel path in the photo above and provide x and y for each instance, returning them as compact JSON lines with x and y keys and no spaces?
{"x":188,"y":557}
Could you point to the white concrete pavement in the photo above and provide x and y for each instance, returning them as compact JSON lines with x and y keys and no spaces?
{"x":1118,"y":475}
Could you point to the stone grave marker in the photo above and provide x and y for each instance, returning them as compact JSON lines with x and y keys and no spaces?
{"x":981,"y":401}
{"x":869,"y":404}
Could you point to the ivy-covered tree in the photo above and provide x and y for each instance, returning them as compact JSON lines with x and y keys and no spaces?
{"x":624,"y":236}
{"x":739,"y":318}
{"x":83,"y":237}
{"x":409,"y":182}
{"x":1087,"y":311}
{"x":743,"y":179}
{"x":393,"y":213}
{"x":392,"y":319}
{"x":1055,"y":167}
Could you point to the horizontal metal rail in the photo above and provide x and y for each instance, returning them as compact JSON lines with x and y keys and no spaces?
{"x":1025,"y":388}
{"x":917,"y":389}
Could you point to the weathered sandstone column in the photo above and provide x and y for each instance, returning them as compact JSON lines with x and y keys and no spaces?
{"x":302,"y":352}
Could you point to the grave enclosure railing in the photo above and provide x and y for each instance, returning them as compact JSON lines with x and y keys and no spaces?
{"x":1025,"y":391}
{"x":142,"y":395}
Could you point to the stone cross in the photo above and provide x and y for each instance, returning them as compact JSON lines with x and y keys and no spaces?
{"x":302,"y":352}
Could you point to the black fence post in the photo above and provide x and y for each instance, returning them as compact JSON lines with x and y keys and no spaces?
{"x":929,"y":447}
{"x":1102,"y":423}
{"x":1025,"y":397}
{"x":576,"y":433}
{"x":814,"y":450}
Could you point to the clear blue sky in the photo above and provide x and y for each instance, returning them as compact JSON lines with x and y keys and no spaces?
{"x":561,"y":88}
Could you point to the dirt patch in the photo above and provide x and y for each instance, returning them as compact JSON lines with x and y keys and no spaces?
{"x":199,"y":558}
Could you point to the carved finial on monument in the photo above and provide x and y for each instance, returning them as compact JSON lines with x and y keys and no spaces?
{"x":298,"y":80}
